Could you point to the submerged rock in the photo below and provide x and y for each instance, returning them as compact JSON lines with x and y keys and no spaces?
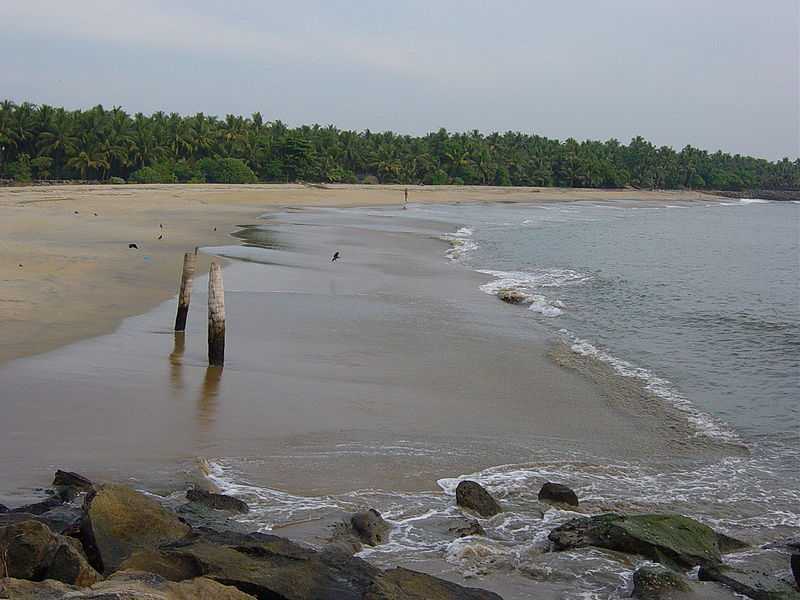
{"x":370,"y":527}
{"x":658,"y":583}
{"x":121,"y":520}
{"x":33,"y":551}
{"x":670,"y":539}
{"x":558,"y":493}
{"x":473,"y":496}
{"x":217,"y":501}
{"x":759,"y":575}
{"x":467,"y":528}
{"x":512,"y":296}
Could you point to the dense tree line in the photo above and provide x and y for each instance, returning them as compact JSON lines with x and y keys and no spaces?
{"x":43,"y":142}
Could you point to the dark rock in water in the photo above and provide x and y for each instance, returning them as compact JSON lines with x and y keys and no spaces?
{"x":467,"y":528}
{"x":657,"y":583}
{"x":411,"y":584}
{"x":471,"y":494}
{"x":512,"y":296}
{"x":39,"y":507}
{"x":33,"y":551}
{"x":199,"y":515}
{"x":3,"y":509}
{"x":728,"y":544}
{"x":65,"y":480}
{"x":558,"y":493}
{"x":749,"y":582}
{"x":370,"y":527}
{"x":267,"y":566}
{"x":120,"y":520}
{"x":794,"y":562}
{"x":216,"y":501}
{"x":673,"y":540}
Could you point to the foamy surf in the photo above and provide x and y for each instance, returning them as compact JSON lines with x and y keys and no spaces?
{"x":460,"y":242}
{"x":526,"y":285}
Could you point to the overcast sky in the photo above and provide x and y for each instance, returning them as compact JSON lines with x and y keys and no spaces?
{"x":718,"y":74}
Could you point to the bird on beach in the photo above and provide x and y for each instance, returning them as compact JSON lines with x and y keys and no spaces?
{"x":134,"y":246}
{"x":335,"y":256}
{"x":161,"y":236}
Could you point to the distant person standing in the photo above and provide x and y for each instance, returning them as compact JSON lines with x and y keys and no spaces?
{"x":405,"y":198}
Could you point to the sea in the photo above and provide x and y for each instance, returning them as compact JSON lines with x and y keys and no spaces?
{"x":698,"y":303}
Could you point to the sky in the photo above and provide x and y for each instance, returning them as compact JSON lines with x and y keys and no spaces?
{"x":716,"y":74}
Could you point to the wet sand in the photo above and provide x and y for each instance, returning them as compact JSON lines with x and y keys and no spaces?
{"x":328,"y":368}
{"x":79,"y":278}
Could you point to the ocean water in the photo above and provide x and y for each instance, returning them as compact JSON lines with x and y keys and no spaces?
{"x":697,"y":303}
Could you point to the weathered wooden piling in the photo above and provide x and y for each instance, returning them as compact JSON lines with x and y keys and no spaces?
{"x":216,"y":316}
{"x":185,"y":293}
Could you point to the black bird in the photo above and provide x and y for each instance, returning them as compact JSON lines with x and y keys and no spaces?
{"x":95,"y":214}
{"x":77,"y":213}
{"x":215,"y":228}
{"x":161,"y":236}
{"x":335,"y":256}
{"x":134,"y":246}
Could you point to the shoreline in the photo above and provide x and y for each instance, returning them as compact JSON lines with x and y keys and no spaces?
{"x":79,"y":279}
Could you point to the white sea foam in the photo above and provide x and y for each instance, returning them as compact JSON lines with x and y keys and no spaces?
{"x":461,"y":243}
{"x":703,"y":423}
{"x":529,"y":285}
{"x":753,"y":201}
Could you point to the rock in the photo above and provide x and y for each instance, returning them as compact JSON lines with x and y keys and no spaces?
{"x":728,"y":544}
{"x":558,"y":494}
{"x":3,"y":508}
{"x":128,"y":585}
{"x":172,"y":568}
{"x":62,"y":519}
{"x":657,"y":583}
{"x":33,"y":551}
{"x":370,"y":527}
{"x":471,"y":495}
{"x":120,"y":520}
{"x":512,"y":296}
{"x":411,"y":584}
{"x":794,"y":562}
{"x":39,"y":507}
{"x":68,"y":484}
{"x":200,"y":515}
{"x":673,"y":540}
{"x":268,"y":566}
{"x":752,"y":584}
{"x":216,"y":501}
{"x":467,"y":528}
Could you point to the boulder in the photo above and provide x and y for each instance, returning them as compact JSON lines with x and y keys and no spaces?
{"x":268,"y":566}
{"x":760,"y":575}
{"x":126,"y":585}
{"x":33,"y":551}
{"x":68,"y":484}
{"x":120,"y":520}
{"x":63,"y":519}
{"x":512,"y":296}
{"x":38,"y":508}
{"x":558,"y":494}
{"x":370,"y":527}
{"x":467,"y":528}
{"x":794,"y":562}
{"x":216,"y":501}
{"x":471,"y":495}
{"x":658,"y":583}
{"x":3,"y":508}
{"x":673,"y":540}
{"x":399,"y":583}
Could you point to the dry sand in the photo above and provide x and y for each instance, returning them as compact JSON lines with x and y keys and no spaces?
{"x":67,"y":272}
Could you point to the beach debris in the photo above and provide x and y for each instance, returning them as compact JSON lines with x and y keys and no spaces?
{"x":370,"y":527}
{"x":120,"y":521}
{"x":32,"y":551}
{"x":657,"y":582}
{"x":185,"y":293}
{"x":671,"y":539}
{"x":758,"y":575}
{"x":472,"y":495}
{"x":335,"y":256}
{"x":558,"y":493}
{"x":133,"y":246}
{"x":216,"y":501}
{"x":216,"y":316}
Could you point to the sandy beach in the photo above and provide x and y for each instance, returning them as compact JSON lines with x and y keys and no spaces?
{"x":67,"y":272}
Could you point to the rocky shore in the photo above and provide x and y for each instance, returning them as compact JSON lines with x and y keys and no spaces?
{"x":87,"y":540}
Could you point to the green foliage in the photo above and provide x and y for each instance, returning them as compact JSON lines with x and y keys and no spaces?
{"x":158,"y":173}
{"x":226,"y":170}
{"x":99,"y":143}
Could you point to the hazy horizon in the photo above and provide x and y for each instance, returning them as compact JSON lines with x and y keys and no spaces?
{"x":677,"y":74}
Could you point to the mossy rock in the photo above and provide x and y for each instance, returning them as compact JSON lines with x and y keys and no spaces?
{"x":670,"y":539}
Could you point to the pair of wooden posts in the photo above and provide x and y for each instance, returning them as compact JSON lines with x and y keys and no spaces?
{"x":216,"y":307}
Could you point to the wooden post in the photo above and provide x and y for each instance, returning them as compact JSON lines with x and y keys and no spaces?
{"x":216,"y":316}
{"x":189,"y":261}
